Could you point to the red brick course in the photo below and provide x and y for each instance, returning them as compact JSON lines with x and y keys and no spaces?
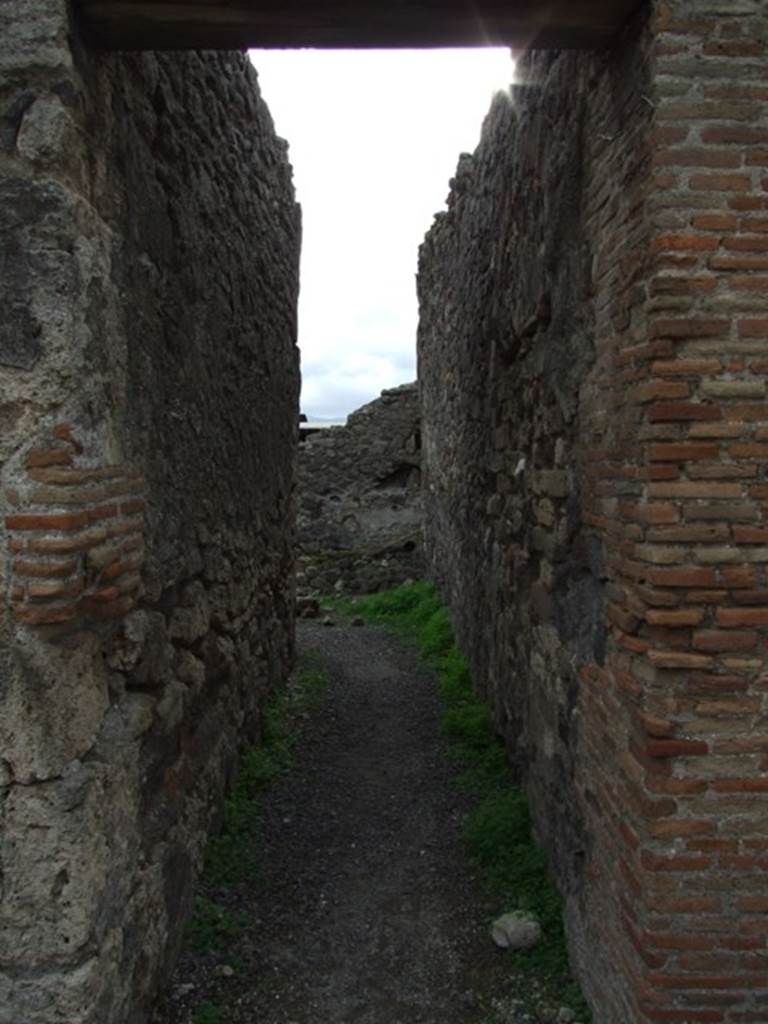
{"x":75,"y":553}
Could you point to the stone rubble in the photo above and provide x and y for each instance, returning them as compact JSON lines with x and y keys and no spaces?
{"x":359,"y":510}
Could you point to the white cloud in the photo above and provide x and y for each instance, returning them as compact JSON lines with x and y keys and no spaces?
{"x":374,"y":139}
{"x":349,"y":384}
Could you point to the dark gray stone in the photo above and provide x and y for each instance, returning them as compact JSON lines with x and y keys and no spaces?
{"x":360,"y":507}
{"x":23,"y":203}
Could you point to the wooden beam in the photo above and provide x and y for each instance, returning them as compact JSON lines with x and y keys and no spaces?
{"x":236,"y":24}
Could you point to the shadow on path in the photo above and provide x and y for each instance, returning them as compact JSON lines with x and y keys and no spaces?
{"x":366,"y":910}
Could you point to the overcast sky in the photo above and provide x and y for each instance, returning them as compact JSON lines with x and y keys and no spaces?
{"x":374,"y":139}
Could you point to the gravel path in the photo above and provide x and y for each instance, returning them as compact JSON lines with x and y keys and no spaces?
{"x":367,"y":910}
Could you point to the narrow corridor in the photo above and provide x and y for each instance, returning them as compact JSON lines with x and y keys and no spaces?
{"x":367,"y":910}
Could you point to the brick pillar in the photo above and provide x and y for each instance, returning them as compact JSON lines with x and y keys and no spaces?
{"x":675,"y":770}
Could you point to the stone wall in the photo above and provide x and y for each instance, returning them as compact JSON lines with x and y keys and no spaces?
{"x":592,"y":361}
{"x":148,"y":401}
{"x":359,"y":508}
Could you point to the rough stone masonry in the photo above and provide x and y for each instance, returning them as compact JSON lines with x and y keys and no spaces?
{"x":359,"y":520}
{"x":593,"y":358}
{"x":149,"y":246}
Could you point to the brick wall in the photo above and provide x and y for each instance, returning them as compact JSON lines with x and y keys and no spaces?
{"x":688,"y":554}
{"x":595,"y":506}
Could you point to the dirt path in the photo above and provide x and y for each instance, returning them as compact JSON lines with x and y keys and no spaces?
{"x":367,"y":911}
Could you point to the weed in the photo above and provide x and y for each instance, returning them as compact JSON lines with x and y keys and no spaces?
{"x":211,"y":926}
{"x":232,"y":855}
{"x":497,"y":830}
{"x":208,"y":1013}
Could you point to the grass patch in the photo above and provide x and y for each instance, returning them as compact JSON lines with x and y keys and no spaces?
{"x":209,"y":1013}
{"x":232,"y":856}
{"x":211,"y":926}
{"x":497,"y":830}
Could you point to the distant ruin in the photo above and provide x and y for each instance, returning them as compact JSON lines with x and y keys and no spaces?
{"x":359,"y":505}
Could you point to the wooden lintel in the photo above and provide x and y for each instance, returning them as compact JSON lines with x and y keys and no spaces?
{"x":237,"y":24}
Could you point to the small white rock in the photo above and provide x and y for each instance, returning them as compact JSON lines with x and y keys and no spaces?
{"x":516,"y":930}
{"x":565,"y":1016}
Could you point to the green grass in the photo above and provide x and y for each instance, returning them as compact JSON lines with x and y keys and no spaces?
{"x":232,"y":856}
{"x":497,"y":830}
{"x":209,"y":1013}
{"x":211,"y":926}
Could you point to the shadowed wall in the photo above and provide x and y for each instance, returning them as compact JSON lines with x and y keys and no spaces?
{"x":149,"y":382}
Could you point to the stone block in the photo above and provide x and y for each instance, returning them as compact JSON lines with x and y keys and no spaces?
{"x":55,"y":699}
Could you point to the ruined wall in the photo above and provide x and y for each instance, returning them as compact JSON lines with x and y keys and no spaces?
{"x":359,"y":502}
{"x":148,"y":383}
{"x":592,"y":360}
{"x":509,"y":290}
